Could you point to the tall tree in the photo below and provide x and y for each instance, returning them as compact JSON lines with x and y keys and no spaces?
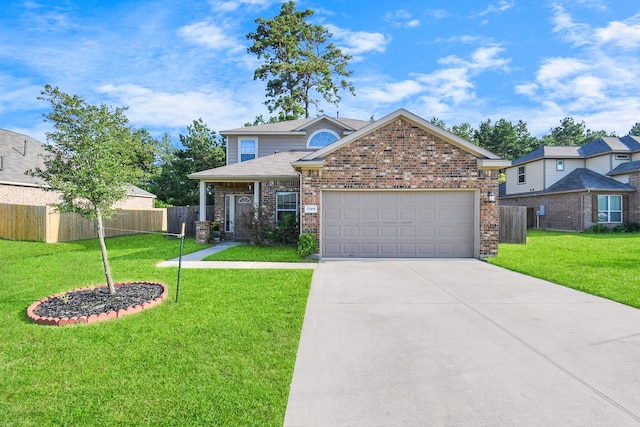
{"x":299,"y":62}
{"x":571,"y":133}
{"x":635,"y":130}
{"x":201,"y":149}
{"x":505,"y":139}
{"x":92,"y":156}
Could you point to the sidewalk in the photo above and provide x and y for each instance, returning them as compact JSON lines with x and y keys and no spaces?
{"x":194,"y":260}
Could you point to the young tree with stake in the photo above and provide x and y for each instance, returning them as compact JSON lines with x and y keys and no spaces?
{"x":92,"y":157}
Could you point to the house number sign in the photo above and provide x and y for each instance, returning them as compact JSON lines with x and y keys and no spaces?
{"x":311,"y":209}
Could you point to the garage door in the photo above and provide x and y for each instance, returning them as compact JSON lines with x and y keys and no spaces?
{"x":398,"y":224}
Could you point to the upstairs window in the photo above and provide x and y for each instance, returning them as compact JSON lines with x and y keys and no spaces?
{"x":321,"y":138}
{"x":609,"y":208}
{"x":247,"y":149}
{"x":559,"y":165}
{"x":521,"y":174}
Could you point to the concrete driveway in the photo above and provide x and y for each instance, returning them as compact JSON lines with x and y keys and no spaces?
{"x":459,"y":343}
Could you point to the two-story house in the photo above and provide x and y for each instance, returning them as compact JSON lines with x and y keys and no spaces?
{"x":573,"y":188}
{"x":395,"y":187}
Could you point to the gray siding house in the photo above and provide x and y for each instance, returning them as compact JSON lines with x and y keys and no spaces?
{"x":574,"y":188}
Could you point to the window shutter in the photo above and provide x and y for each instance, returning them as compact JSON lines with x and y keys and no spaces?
{"x":594,"y":208}
{"x":625,"y":208}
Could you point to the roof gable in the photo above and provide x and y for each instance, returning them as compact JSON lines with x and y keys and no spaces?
{"x":404,"y":114}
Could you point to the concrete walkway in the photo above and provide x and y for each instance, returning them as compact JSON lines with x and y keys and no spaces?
{"x":194,"y":260}
{"x":460,"y":343}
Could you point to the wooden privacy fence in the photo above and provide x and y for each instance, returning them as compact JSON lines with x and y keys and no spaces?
{"x":513,"y":224}
{"x":189,"y":215}
{"x":41,"y":223}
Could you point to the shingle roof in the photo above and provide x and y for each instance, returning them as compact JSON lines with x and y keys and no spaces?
{"x":296,"y":125}
{"x":549,"y":152}
{"x":19,"y":154}
{"x":586,"y":179}
{"x":603,"y":145}
{"x":625,"y":168}
{"x":274,"y":166}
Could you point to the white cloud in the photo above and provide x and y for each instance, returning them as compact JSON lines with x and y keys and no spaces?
{"x":481,"y":59}
{"x":358,"y":42}
{"x":625,"y":34}
{"x":402,"y":18}
{"x":387,"y":93}
{"x":233,"y":5}
{"x":598,"y":82}
{"x":500,"y":7}
{"x":210,"y":35}
{"x":221,"y":108}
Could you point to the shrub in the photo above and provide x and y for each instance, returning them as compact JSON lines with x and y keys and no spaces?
{"x":257,"y":227}
{"x":286,"y":231}
{"x":632,"y":227}
{"x":307,"y":245}
{"x":620,"y":228}
{"x":598,"y":229}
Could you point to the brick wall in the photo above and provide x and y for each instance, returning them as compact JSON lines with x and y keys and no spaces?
{"x":573,"y":211}
{"x":401,"y":155}
{"x":569,"y":211}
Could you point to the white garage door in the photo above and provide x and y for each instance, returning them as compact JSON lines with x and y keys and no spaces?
{"x":398,"y":224}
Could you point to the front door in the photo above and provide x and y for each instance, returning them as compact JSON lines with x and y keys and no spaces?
{"x":243,"y":207}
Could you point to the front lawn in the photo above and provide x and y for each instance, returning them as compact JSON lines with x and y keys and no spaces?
{"x":607,"y":265}
{"x":223,"y":355}
{"x":258,"y":253}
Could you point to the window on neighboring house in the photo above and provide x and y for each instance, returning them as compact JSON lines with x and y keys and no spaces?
{"x":248,"y":149}
{"x":622,"y":157}
{"x":321,"y":138}
{"x":521,"y":174}
{"x":609,"y":208}
{"x":286,"y":204}
{"x":559,"y":165}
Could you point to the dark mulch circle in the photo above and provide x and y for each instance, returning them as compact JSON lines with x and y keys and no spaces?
{"x":87,"y":302}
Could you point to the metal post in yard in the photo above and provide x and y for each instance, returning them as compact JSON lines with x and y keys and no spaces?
{"x":180,"y":261}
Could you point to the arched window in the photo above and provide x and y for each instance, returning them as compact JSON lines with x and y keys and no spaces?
{"x":321,"y":138}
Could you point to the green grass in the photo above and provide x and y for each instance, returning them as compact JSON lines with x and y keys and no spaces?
{"x":223,"y":355}
{"x":607,"y":265}
{"x":258,"y":253}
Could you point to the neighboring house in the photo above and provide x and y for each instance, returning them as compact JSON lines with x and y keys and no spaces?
{"x":20,"y":153}
{"x":573,"y":188}
{"x":395,"y":187}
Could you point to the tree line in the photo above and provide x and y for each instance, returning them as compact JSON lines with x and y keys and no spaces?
{"x":513,"y":140}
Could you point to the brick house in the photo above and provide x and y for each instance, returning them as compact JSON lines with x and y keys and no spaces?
{"x":396,"y":187}
{"x":20,"y":153}
{"x":574,"y":188}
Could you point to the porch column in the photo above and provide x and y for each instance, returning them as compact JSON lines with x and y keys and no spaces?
{"x":203,"y":201}
{"x":256,"y":197}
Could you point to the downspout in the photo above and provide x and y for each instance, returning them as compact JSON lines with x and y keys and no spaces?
{"x":300,"y":212}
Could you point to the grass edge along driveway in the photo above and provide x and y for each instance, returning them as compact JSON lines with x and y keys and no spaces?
{"x":606,"y":265}
{"x":223,"y":355}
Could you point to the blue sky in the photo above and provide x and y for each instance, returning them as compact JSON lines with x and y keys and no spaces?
{"x":172,"y":62}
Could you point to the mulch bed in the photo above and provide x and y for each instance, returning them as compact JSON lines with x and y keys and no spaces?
{"x":95,"y":303}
